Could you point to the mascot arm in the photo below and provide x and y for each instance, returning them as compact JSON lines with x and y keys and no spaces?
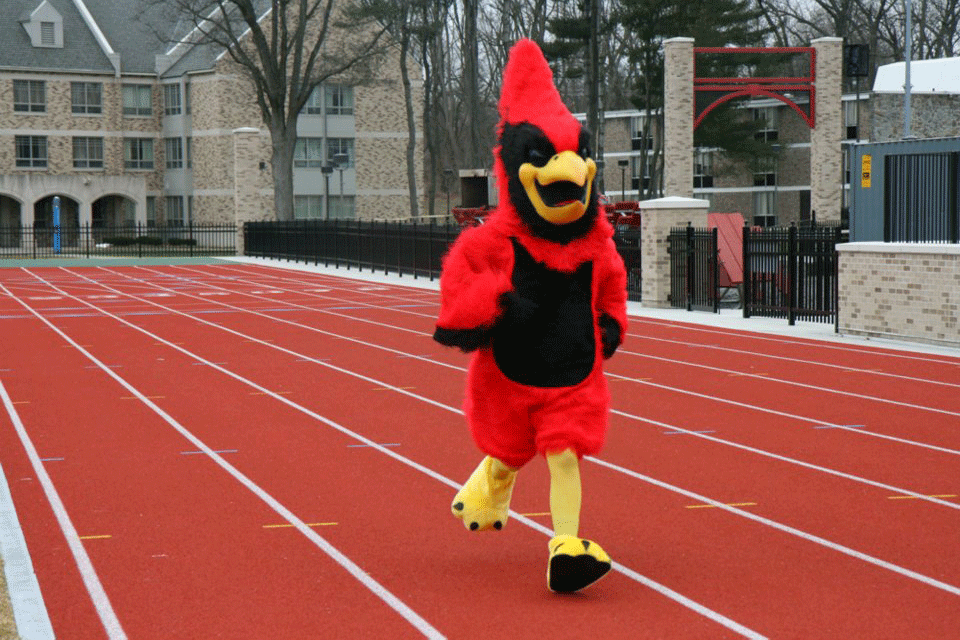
{"x":612,"y":302}
{"x":475,"y":277}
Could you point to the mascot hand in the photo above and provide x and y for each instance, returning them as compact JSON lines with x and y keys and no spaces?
{"x":517,"y":309}
{"x":609,"y":335}
{"x":466,"y":340}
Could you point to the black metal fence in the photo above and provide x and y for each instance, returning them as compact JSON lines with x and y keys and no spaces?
{"x":627,"y":239}
{"x":791,"y":273}
{"x":406,"y":248}
{"x":137,"y":241}
{"x":693,"y":269}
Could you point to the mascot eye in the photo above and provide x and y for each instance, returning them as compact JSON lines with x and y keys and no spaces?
{"x":584,"y":152}
{"x":537,"y":157}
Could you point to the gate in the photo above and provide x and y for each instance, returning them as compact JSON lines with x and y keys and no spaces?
{"x":791,"y":273}
{"x":693,"y":269}
{"x":905,"y":191}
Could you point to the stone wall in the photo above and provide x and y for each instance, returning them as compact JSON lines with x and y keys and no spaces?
{"x":931,"y":116}
{"x":898,"y":290}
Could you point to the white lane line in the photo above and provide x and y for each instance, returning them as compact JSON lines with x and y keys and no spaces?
{"x":753,"y":335}
{"x":784,"y":414}
{"x":792,"y":383}
{"x":306,"y":411}
{"x":816,"y":363}
{"x":30,"y":615}
{"x":889,"y":566}
{"x":88,"y":574}
{"x":662,"y":589}
{"x":672,"y":429}
{"x":351,"y":567}
{"x":692,"y":364}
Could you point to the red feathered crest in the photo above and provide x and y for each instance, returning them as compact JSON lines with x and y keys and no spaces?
{"x":529,"y":95}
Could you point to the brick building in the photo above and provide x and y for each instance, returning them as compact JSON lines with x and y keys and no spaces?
{"x":770,"y":193}
{"x":99,"y":109}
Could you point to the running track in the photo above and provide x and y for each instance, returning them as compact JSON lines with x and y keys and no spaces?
{"x":242,"y":451}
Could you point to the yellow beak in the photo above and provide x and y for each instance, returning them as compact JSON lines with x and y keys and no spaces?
{"x":566,"y":166}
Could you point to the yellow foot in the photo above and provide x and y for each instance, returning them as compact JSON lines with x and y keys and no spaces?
{"x":575,"y":563}
{"x":484,"y":501}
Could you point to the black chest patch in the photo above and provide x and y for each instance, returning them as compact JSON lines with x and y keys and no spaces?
{"x":549,"y":342}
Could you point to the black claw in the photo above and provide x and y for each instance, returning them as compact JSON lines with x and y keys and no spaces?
{"x":498,"y":525}
{"x":458,"y":506}
{"x":586,"y":545}
{"x":474,"y":526}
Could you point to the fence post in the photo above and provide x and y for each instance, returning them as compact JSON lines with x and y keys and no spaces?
{"x":747,"y":276}
{"x":414,"y":252}
{"x":792,"y":275}
{"x":690,"y":267}
{"x":837,"y":234}
{"x":714,"y":267}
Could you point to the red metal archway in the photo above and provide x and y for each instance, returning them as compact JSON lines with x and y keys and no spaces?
{"x":710,"y":92}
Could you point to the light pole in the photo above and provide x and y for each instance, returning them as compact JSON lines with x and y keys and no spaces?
{"x":448,"y":180}
{"x":623,"y":179}
{"x":326,"y":170}
{"x":340,"y":161}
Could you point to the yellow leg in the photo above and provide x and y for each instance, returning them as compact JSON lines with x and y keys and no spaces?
{"x":484,"y":501}
{"x":574,"y":563}
{"x":565,"y":492}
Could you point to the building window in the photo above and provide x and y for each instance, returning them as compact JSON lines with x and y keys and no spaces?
{"x":850,"y":120}
{"x":764,"y":214}
{"x":88,"y":153}
{"x":189,"y":153}
{"x":307,"y":207}
{"x":137,"y":100}
{"x":171,"y":100}
{"x":86,"y":97}
{"x":765,"y":172}
{"x":768,"y":121}
{"x":702,"y":170}
{"x":340,"y":146}
{"x":31,"y":151}
{"x":138,"y":153}
{"x":174,"y":152}
{"x":48,"y":34}
{"x":29,"y":96}
{"x":339,"y":100}
{"x":151,"y":211}
{"x":637,"y":140}
{"x":308,"y":153}
{"x":314,"y":105}
{"x":174,"y":211}
{"x":636,"y":166}
{"x":342,"y":207}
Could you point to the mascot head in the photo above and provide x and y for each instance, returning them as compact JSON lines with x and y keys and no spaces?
{"x":543,"y":155}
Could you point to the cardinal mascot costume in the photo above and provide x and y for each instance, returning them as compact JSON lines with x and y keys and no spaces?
{"x":538,"y":295}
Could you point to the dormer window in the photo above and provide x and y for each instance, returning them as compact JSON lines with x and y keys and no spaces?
{"x":44,"y":25}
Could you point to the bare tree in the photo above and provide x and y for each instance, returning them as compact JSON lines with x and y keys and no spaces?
{"x":286,"y":48}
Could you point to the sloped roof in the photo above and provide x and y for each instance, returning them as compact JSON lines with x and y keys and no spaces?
{"x":80,"y":52}
{"x":137,"y":30}
{"x":941,"y":75}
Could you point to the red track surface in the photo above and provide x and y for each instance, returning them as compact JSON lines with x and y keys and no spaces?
{"x":751,"y":486}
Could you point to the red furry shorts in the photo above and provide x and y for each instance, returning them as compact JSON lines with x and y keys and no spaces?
{"x":513,"y":422}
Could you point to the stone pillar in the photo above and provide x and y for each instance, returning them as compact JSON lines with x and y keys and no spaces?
{"x":678,"y":117}
{"x":657,"y":217}
{"x":826,"y":157}
{"x":246,"y":179}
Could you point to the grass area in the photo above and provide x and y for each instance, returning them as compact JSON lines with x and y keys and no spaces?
{"x":8,"y":629}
